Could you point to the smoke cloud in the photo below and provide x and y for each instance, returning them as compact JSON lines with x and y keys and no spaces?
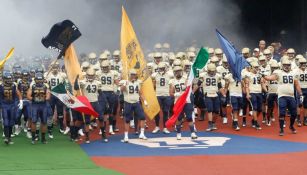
{"x":178,"y":22}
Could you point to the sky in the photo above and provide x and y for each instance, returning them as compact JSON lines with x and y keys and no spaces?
{"x":178,"y":22}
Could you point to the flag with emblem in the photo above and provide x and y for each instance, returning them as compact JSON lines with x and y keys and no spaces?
{"x":79,"y":103}
{"x":200,"y":61}
{"x":133,"y":58}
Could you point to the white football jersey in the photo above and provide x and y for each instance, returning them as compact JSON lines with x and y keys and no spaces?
{"x":54,"y":80}
{"x":108,"y":80}
{"x":254,"y":82}
{"x":162,"y":83}
{"x":90,"y":89}
{"x":285,"y":83}
{"x":131,"y":95}
{"x":235,"y":87}
{"x":180,"y":86}
{"x":210,"y":84}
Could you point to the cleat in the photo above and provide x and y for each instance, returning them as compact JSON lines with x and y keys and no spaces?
{"x":273,"y":119}
{"x":33,"y":142}
{"x":111,"y":131}
{"x":17,"y":130}
{"x":253,"y":123}
{"x":244,"y":124}
{"x":115,"y":129}
{"x":36,"y":138}
{"x":80,"y":132}
{"x":214,"y":126}
{"x":268,"y":123}
{"x":87,"y":141}
{"x":257,"y":126}
{"x":6,"y":141}
{"x":50,"y":135}
{"x":210,"y":128}
{"x":156,"y":130}
{"x":61,"y":131}
{"x":281,"y":133}
{"x":193,"y":135}
{"x":178,"y":136}
{"x":126,"y":140}
{"x":225,"y":120}
{"x":143,"y":137}
{"x":299,"y":123}
{"x":29,"y":136}
{"x":44,"y":141}
{"x":66,"y":131}
{"x":105,"y":140}
{"x":293,"y":130}
{"x":166,"y":131}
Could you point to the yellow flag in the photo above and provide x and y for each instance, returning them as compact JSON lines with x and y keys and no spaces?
{"x":72,"y":64}
{"x":8,"y":55}
{"x":133,"y":58}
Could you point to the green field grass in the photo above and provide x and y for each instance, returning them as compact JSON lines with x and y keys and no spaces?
{"x":59,"y":157}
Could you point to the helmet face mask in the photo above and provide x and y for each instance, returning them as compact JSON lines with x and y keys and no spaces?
{"x":8,"y":80}
{"x":286,"y":67}
{"x":133,"y":77}
{"x":116,"y":58}
{"x":39,"y":79}
{"x":245,"y":55}
{"x":225,"y":65}
{"x":90,"y":78}
{"x":187,"y":68}
{"x":303,"y":65}
{"x":105,"y":69}
{"x":291,"y":55}
{"x":158,"y":59}
{"x":255,"y":69}
{"x":25,"y":77}
{"x":211,"y":73}
{"x":178,"y":74}
{"x":162,"y":69}
{"x":263,"y":63}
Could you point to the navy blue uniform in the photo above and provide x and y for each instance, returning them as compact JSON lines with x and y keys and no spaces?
{"x":39,"y":103}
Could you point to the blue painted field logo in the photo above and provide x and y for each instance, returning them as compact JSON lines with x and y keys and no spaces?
{"x":205,"y":144}
{"x":185,"y":143}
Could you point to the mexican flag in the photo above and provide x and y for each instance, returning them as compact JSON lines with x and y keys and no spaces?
{"x":79,"y":103}
{"x":200,"y":61}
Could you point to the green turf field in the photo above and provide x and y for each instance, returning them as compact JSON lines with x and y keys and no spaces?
{"x":59,"y":156}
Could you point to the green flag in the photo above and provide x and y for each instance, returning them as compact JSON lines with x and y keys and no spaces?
{"x":200,"y":61}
